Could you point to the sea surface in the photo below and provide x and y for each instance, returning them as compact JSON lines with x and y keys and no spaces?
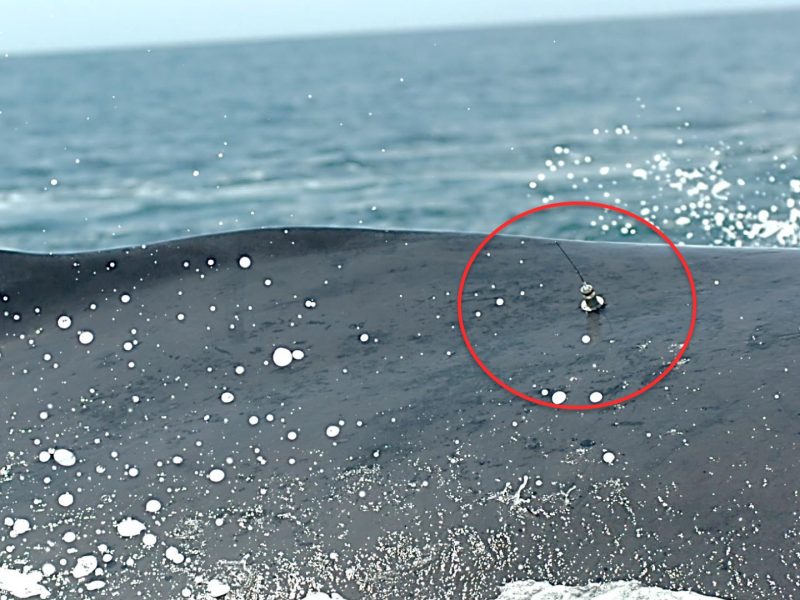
{"x":693,"y":123}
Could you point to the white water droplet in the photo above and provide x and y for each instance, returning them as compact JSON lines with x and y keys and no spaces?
{"x":559,"y":397}
{"x":64,"y":457}
{"x":500,"y":302}
{"x":226,"y":397}
{"x":64,"y":322}
{"x":332,"y":431}
{"x":595,"y":397}
{"x":586,"y":339}
{"x":23,"y":585}
{"x":174,"y":555}
{"x":216,"y":475}
{"x":609,"y":457}
{"x":84,"y":566}
{"x":298,"y":354}
{"x":19,"y":527}
{"x":245,"y":262}
{"x":129,"y":527}
{"x":217,"y":589}
{"x":363,"y":338}
{"x":66,"y":499}
{"x":125,"y":298}
{"x":282,"y":357}
{"x":153,"y":505}
{"x":85,"y":337}
{"x":291,"y":436}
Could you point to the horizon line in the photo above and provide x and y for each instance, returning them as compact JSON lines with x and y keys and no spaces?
{"x":398,"y":31}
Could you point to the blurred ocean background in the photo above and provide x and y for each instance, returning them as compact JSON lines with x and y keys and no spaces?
{"x":692,"y":122}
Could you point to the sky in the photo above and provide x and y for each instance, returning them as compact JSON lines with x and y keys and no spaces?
{"x":54,"y":25}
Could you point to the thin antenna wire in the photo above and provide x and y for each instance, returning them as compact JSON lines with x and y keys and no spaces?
{"x":577,"y":270}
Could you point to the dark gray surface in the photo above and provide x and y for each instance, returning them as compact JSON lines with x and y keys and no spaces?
{"x":703,"y":493}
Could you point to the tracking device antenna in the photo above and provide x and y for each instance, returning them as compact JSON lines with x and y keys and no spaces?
{"x":591,"y":301}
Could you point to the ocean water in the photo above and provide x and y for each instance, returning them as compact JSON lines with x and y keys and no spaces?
{"x":692,"y":122}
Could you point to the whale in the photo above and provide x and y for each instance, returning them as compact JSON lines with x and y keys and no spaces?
{"x":292,"y":413}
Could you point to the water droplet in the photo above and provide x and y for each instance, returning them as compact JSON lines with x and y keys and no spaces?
{"x":291,"y":436}
{"x":500,"y":302}
{"x":174,"y":555}
{"x":332,"y":431}
{"x":84,"y":566}
{"x":282,"y":357}
{"x":559,"y":397}
{"x":216,"y":475}
{"x":85,"y":337}
{"x":19,"y":527}
{"x":245,"y":262}
{"x":586,"y":339}
{"x":66,"y":499}
{"x":226,"y":397}
{"x":64,"y":457}
{"x":609,"y":457}
{"x":595,"y":397}
{"x":152,"y":506}
{"x":129,"y":527}
{"x":217,"y":589}
{"x":363,"y":338}
{"x":64,"y":322}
